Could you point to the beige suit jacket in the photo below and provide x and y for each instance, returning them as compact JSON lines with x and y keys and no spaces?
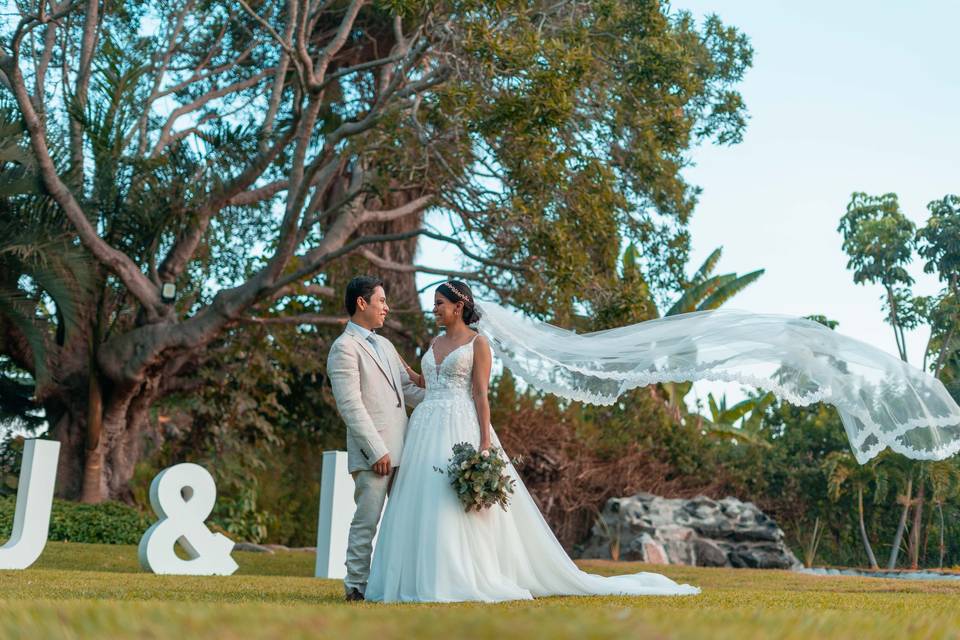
{"x":372,"y":398}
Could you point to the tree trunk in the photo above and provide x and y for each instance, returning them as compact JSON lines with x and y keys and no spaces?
{"x":941,"y":357}
{"x":915,"y":529}
{"x":97,"y":462}
{"x":943,"y":547}
{"x":69,"y":428}
{"x":895,"y":321}
{"x":946,"y":341}
{"x":126,"y":432}
{"x":898,"y":537}
{"x":863,"y":532}
{"x":93,"y":489}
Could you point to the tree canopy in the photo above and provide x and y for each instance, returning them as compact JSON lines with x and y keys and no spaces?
{"x":254,"y":154}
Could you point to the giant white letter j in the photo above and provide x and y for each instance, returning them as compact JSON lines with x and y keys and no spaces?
{"x":31,"y":523}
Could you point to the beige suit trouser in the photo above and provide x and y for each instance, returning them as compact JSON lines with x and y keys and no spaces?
{"x":369,"y":494}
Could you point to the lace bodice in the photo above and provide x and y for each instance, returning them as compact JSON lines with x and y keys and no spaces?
{"x":454,"y":374}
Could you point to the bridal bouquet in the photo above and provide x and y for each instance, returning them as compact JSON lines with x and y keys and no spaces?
{"x":479,"y":477}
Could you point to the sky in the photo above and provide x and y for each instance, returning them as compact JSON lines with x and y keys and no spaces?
{"x":843,"y":97}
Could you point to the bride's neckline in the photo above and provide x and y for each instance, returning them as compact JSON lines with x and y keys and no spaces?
{"x":436,"y":364}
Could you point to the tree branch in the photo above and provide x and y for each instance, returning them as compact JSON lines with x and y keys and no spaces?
{"x":311,"y":318}
{"x":161,"y":70}
{"x":116,"y":261}
{"x":258,"y":195}
{"x":165,"y":135}
{"x":317,"y":290}
{"x":389,"y":265}
{"x":316,"y":260}
{"x":90,"y":26}
{"x":304,"y":318}
{"x":279,"y":80}
{"x":333,"y":47}
{"x":285,"y":44}
{"x":412,"y":207}
{"x":181,"y":253}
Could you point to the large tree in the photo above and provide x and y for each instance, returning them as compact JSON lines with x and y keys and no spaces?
{"x":247,"y":153}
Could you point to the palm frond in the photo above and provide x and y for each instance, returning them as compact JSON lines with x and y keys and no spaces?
{"x":54,"y":265}
{"x":714,"y":409}
{"x":691,"y":297}
{"x":19,"y":310}
{"x":728,"y":289}
{"x":737,"y":411}
{"x":17,"y":406}
{"x":760,"y":405}
{"x":707,"y":267}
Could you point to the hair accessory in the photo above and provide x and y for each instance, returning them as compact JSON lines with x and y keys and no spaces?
{"x":462,"y":296}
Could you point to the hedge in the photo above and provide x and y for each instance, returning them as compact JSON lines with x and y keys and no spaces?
{"x":105,"y":523}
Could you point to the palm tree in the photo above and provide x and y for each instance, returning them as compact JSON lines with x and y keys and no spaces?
{"x":903,"y":471}
{"x":944,"y":479}
{"x":705,"y":292}
{"x":843,"y":470}
{"x":43,"y":275}
{"x":723,"y":419}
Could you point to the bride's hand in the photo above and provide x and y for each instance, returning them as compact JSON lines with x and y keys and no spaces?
{"x":484,"y":444}
{"x":417,"y":378}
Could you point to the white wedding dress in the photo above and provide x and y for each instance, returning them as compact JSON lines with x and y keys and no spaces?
{"x":430,"y":550}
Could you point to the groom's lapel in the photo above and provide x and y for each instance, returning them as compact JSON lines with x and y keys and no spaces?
{"x":366,"y":346}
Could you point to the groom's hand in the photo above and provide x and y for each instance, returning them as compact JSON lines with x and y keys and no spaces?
{"x":382,"y":466}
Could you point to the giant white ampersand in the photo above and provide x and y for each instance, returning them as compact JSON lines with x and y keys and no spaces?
{"x":182,"y":519}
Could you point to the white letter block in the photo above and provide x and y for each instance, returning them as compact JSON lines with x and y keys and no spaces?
{"x":31,"y":521}
{"x":182,"y":520}
{"x":336,"y":511}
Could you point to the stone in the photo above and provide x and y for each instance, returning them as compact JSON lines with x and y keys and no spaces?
{"x":677,"y":542}
{"x":762,"y":556}
{"x":653,"y":551}
{"x":250,"y":546}
{"x":709,"y":553}
{"x":697,"y":531}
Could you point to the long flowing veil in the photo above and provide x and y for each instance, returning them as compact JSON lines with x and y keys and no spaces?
{"x":882,"y":401}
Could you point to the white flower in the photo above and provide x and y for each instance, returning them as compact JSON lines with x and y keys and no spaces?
{"x":485,"y":453}
{"x":464,"y":465}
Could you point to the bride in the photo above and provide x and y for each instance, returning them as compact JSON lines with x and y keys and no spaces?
{"x":428,"y":548}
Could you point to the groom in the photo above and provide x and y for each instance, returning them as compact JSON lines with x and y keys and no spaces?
{"x":372,"y":388}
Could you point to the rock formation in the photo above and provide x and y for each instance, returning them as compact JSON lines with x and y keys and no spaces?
{"x":698,"y":531}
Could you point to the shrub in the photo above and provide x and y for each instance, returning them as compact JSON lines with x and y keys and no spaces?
{"x":106,"y":523}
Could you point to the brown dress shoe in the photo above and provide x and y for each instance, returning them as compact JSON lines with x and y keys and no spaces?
{"x":354,"y":595}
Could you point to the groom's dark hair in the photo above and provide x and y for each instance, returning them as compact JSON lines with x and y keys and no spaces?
{"x":360,"y":287}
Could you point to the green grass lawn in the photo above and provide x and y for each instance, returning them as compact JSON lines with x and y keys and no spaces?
{"x":99,"y":591}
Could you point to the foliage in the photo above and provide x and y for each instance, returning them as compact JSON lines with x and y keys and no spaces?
{"x":257,"y":407}
{"x":202,"y":154}
{"x":939,"y":244}
{"x":575,"y":457}
{"x":723,"y":420}
{"x":705,"y":291}
{"x":878,"y":238}
{"x":590,"y":128}
{"x":880,"y":241}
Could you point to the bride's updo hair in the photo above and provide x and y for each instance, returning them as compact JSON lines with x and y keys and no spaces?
{"x":456,"y":291}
